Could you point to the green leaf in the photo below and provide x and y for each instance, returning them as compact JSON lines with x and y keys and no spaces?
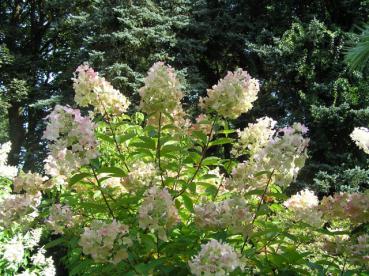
{"x":200,"y":136}
{"x":149,"y":142}
{"x":141,"y":153}
{"x":220,"y":141}
{"x":105,"y":138}
{"x":227,"y":131}
{"x":211,"y":189}
{"x":148,"y":241}
{"x":125,"y":137}
{"x":77,"y":177}
{"x":54,"y":243}
{"x":170,"y":148}
{"x":212,"y":160}
{"x":147,"y":268}
{"x":112,"y":170}
{"x":188,"y":202}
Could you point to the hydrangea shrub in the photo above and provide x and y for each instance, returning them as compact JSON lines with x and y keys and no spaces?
{"x":148,"y":193}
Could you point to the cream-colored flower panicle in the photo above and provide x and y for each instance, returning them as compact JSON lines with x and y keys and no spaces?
{"x":5,"y":170}
{"x":232,"y":214}
{"x":215,"y":258}
{"x":233,"y":95}
{"x":254,"y":137}
{"x":282,"y":157}
{"x":18,"y":208}
{"x":93,"y":90}
{"x":305,"y":207}
{"x":141,"y":176}
{"x":162,"y":91}
{"x":31,"y":183}
{"x":360,"y":136}
{"x":157,"y":212}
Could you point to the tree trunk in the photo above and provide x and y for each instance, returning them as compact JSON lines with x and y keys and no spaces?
{"x":16,"y":133}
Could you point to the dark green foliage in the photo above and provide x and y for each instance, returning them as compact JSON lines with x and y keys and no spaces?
{"x":295,"y":48}
{"x":124,"y":39}
{"x":38,"y":48}
{"x":357,"y":55}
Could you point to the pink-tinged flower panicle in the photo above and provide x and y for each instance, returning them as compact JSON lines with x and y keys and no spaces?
{"x":61,"y":217}
{"x":93,"y":90}
{"x":203,"y":123}
{"x":162,"y":91}
{"x":157,"y":212}
{"x":232,"y":214}
{"x":360,"y":251}
{"x":215,"y":258}
{"x":73,"y":143}
{"x":18,"y":208}
{"x":232,"y":96}
{"x":106,"y":243}
{"x":346,"y":206}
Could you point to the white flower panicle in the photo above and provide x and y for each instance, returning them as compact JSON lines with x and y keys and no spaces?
{"x":254,"y":137}
{"x":45,"y":263}
{"x":91,"y":89}
{"x":305,"y":199}
{"x":157,"y":212}
{"x":360,"y":136}
{"x":73,"y":141}
{"x":32,"y":238}
{"x":282,"y":157}
{"x":106,"y":242}
{"x":304,"y":205}
{"x":285,"y":154}
{"x":232,"y":213}
{"x":141,"y":176}
{"x":215,"y":258}
{"x":31,"y":183}
{"x":60,"y":218}
{"x":161,"y":92}
{"x":5,"y":170}
{"x":13,"y":251}
{"x":232,"y":96}
{"x":18,"y":208}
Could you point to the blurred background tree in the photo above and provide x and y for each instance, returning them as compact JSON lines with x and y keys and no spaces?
{"x":295,"y":48}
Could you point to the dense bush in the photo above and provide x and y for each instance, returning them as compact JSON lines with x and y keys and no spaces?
{"x":149,"y":194}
